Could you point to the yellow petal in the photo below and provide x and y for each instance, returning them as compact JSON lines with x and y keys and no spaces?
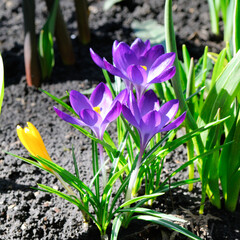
{"x":32,"y":141}
{"x":22,"y":138}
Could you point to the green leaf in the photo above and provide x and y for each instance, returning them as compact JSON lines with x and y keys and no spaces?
{"x":167,"y":224}
{"x":45,"y":43}
{"x":58,"y":100}
{"x":70,"y":199}
{"x":170,"y":146}
{"x":214,"y":16}
{"x":222,"y":93}
{"x":104,"y":144}
{"x":109,"y":3}
{"x":75,"y":163}
{"x":186,"y":58}
{"x":117,"y":222}
{"x":228,"y":26}
{"x":1,"y":82}
{"x":236,"y":26}
{"x":109,"y":83}
{"x":70,"y":179}
{"x":60,"y":194}
{"x":220,"y":64}
{"x":149,"y":30}
{"x":194,"y":159}
{"x":133,"y":200}
{"x":151,"y":212}
{"x":229,"y":167}
{"x":95,"y":168}
{"x":106,"y":196}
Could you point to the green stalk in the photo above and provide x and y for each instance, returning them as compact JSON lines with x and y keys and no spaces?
{"x":171,"y":47}
{"x":189,"y":91}
{"x":214,"y":16}
{"x":236,"y":30}
{"x":62,"y":36}
{"x":133,"y":178}
{"x":82,"y":20}
{"x":190,"y":122}
{"x":103,"y":167}
{"x":31,"y":59}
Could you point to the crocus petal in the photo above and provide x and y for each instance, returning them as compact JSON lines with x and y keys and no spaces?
{"x":79,"y":101}
{"x":133,"y":106}
{"x":101,"y":97}
{"x":22,"y":137}
{"x":123,"y":57}
{"x":151,"y":55}
{"x":111,"y":116}
{"x":163,"y":62}
{"x":90,"y":117}
{"x":32,"y":141}
{"x":129,"y":116}
{"x":98,"y":60}
{"x":35,"y":132}
{"x":64,"y":116}
{"x":121,"y":97}
{"x":150,"y":121}
{"x":174,"y":124}
{"x":168,"y":111}
{"x":36,"y":135}
{"x":113,"y":70}
{"x":164,"y":76}
{"x":137,"y":74}
{"x":147,"y":44}
{"x":138,"y":47}
{"x":148,"y":126}
{"x":113,"y":113}
{"x":148,"y":102}
{"x":114,"y":47}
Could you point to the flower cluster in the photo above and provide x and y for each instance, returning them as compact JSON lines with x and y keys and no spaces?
{"x":139,"y":66}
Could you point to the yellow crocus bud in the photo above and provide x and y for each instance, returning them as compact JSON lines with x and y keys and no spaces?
{"x":32,"y":141}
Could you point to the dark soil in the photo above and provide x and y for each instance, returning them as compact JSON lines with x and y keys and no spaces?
{"x":29,"y":214}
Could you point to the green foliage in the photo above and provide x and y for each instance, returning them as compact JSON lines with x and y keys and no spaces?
{"x":1,"y":82}
{"x":109,"y":3}
{"x":45,"y":43}
{"x":209,"y":100}
{"x":149,"y":30}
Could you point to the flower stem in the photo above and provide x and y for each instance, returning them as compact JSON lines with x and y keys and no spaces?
{"x":103,"y":167}
{"x":133,"y":177}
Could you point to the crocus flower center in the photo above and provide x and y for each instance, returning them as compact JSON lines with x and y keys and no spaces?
{"x":144,"y":67}
{"x":97,"y":109}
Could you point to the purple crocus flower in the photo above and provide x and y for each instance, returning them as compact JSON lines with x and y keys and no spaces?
{"x":96,"y":112}
{"x":139,"y":65}
{"x":149,"y":118}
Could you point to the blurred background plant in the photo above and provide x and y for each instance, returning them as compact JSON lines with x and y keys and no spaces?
{"x":1,"y":82}
{"x":39,"y":57}
{"x":224,"y":9}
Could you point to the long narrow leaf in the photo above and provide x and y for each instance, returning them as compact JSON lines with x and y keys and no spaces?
{"x":151,"y":212}
{"x":117,"y":222}
{"x":1,"y":82}
{"x":58,"y":100}
{"x":69,"y":199}
{"x":133,"y":200}
{"x":223,"y":92}
{"x":167,"y":224}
